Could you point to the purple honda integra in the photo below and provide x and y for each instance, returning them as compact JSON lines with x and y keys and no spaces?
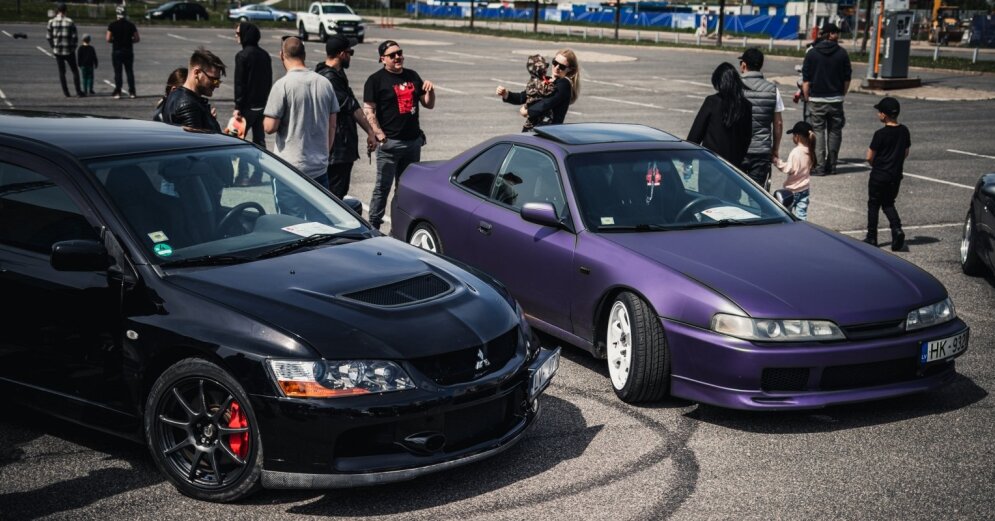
{"x":687,"y":277}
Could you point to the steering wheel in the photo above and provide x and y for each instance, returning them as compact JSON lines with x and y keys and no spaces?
{"x":236,"y":211}
{"x":696,"y":205}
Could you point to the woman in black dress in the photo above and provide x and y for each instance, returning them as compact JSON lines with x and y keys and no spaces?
{"x":566,"y":89}
{"x":724,"y":123}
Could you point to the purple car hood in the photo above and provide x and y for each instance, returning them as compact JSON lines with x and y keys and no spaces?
{"x":792,"y":270}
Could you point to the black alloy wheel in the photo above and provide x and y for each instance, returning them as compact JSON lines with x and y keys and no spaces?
{"x":202,"y":432}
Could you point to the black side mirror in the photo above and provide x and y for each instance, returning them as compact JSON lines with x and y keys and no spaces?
{"x":540,"y":213}
{"x":80,"y":255}
{"x":785,"y":197}
{"x":355,"y":204}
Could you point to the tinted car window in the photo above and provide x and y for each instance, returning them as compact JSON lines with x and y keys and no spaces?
{"x":478,"y":175}
{"x":36,"y":213}
{"x":528,"y":176}
{"x":183,"y":205}
{"x":664,"y":188}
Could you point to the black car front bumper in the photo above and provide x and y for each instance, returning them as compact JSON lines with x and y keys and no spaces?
{"x":349,"y":442}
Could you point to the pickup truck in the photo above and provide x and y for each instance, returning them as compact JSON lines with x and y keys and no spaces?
{"x":325,"y":18}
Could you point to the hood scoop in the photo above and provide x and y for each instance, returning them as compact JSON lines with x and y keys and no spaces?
{"x":407,"y":292}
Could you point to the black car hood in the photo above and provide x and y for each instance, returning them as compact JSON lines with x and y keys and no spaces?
{"x":302,"y":294}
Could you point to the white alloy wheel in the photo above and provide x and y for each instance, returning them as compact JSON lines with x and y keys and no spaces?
{"x":965,"y":242}
{"x":619,"y":339}
{"x":970,"y":262}
{"x":423,"y":238}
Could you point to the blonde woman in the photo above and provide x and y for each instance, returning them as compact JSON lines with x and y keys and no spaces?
{"x":566,"y":89}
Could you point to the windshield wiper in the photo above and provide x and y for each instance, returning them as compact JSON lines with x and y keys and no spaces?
{"x":311,"y":240}
{"x":206,"y":260}
{"x":635,"y":227}
{"x":722,"y":223}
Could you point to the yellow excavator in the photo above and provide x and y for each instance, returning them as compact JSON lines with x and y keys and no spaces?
{"x":946,"y":27}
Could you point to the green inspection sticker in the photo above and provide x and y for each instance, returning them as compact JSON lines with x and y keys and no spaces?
{"x":163,"y":249}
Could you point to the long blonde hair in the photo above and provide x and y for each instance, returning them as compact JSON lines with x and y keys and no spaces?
{"x":573,"y":75}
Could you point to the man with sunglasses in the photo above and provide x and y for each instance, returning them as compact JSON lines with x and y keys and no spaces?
{"x":187,"y":106}
{"x":390,"y":101}
{"x":345,"y":151}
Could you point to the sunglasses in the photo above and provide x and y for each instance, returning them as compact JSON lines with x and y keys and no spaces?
{"x":350,"y":51}
{"x":559,"y":65}
{"x":215,"y":80}
{"x":394,"y":55}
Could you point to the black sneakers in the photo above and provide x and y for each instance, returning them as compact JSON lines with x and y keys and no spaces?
{"x":897,"y":239}
{"x":873,"y":241}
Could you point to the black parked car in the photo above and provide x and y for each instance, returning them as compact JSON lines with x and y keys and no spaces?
{"x":977,"y":247}
{"x":177,"y":11}
{"x":247,"y":346}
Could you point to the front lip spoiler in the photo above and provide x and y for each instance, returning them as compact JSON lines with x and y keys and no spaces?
{"x":293,"y":480}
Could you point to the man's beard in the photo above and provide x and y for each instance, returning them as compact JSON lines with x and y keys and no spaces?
{"x":345,"y":63}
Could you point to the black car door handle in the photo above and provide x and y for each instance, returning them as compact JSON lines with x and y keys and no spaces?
{"x":484,"y":227}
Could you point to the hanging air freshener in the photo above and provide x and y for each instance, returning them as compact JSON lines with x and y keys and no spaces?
{"x":652,"y":180}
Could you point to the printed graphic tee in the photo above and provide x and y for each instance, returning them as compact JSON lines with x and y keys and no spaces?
{"x":396,"y":99}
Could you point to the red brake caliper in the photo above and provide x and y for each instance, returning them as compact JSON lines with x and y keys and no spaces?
{"x":239,"y":442}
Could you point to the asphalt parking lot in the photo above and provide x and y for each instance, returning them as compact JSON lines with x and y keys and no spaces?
{"x":590,"y":455}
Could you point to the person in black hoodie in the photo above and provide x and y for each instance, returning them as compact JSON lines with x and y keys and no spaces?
{"x":826,"y":75}
{"x":253,"y":80}
{"x":345,"y":150}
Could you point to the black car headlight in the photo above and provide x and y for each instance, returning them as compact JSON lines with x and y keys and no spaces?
{"x":775,"y":330}
{"x":934,"y":314}
{"x":336,"y":378}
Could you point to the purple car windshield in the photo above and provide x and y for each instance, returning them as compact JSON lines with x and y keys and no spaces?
{"x":650,"y":190}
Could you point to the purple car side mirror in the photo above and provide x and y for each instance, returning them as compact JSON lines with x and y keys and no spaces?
{"x":541,"y":213}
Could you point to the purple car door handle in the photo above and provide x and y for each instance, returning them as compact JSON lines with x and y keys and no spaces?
{"x":484,"y":227}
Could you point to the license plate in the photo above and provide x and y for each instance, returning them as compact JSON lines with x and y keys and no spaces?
{"x":934,"y":350}
{"x":544,"y":373}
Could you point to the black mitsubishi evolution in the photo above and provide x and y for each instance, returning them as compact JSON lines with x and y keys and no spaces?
{"x":251,"y":336}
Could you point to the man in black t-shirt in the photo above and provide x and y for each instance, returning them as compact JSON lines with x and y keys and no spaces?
{"x":886,"y":155}
{"x":390,"y":101}
{"x":122,"y":35}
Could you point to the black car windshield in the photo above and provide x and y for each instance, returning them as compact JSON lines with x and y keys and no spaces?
{"x":218,"y":205}
{"x":660,"y":190}
{"x":336,"y":9}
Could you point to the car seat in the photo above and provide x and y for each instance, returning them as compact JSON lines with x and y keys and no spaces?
{"x":145,"y":208}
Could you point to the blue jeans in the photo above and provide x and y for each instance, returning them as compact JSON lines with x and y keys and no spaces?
{"x":800,"y":206}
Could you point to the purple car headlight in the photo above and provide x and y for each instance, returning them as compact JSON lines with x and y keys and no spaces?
{"x":942,"y":311}
{"x":776,"y":330}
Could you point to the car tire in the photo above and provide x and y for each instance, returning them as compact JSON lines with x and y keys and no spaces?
{"x":301,"y":32}
{"x":359,"y":39}
{"x":284,"y":19}
{"x":322,"y":35}
{"x":243,"y":19}
{"x":637,"y":352}
{"x":970,"y":262}
{"x":203,"y":433}
{"x":425,"y":237}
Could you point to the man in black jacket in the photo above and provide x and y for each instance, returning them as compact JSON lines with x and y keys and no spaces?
{"x":187,"y":106}
{"x":825,"y":81}
{"x":345,"y":150}
{"x":253,"y":79}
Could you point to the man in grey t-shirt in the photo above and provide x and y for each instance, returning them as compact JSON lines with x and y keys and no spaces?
{"x":301,"y":112}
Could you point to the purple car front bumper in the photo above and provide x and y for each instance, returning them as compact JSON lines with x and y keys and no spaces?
{"x":720,"y":370}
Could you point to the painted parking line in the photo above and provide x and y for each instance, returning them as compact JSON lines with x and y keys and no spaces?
{"x":8,"y":34}
{"x":638,"y":104}
{"x":689,"y":82}
{"x":44,"y":51}
{"x":185,"y":39}
{"x":225,"y":37}
{"x":969,"y":153}
{"x":508,"y":82}
{"x":454,"y":91}
{"x":864,"y":166}
{"x":5,"y":100}
{"x":479,"y":56}
{"x":904,"y":227}
{"x":844,"y":208}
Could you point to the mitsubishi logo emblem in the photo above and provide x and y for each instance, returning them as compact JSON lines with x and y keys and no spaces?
{"x":482,"y":361}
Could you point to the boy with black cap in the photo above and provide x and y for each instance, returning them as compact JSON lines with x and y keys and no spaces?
{"x":390,"y":101}
{"x":886,"y":155}
{"x":345,"y":151}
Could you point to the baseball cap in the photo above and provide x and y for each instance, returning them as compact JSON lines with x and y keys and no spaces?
{"x":338,"y":43}
{"x":889,"y":106}
{"x":753,"y":58}
{"x":830,"y":28}
{"x":386,"y":44}
{"x":800,"y":128}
